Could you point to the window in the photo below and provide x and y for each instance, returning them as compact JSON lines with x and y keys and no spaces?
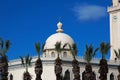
{"x":53,"y":54}
{"x":67,"y":75}
{"x":111,"y":76}
{"x":64,"y":54}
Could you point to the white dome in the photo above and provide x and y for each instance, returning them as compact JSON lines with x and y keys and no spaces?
{"x":58,"y":37}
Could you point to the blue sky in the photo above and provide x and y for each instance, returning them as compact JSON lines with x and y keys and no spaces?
{"x":25,"y":22}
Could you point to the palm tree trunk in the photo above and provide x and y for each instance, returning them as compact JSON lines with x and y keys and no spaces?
{"x":76,"y":69}
{"x":4,"y":68}
{"x":26,"y":68}
{"x":38,"y":69}
{"x":58,"y":68}
{"x":103,"y":69}
{"x":27,"y":76}
{"x":88,"y":73}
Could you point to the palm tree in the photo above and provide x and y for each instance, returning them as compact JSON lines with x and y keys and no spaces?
{"x":58,"y":61}
{"x":73,"y":50}
{"x":104,"y":48}
{"x":4,"y":47}
{"x":89,"y":54}
{"x":117,"y":53}
{"x":38,"y":63}
{"x":26,"y":63}
{"x":75,"y":63}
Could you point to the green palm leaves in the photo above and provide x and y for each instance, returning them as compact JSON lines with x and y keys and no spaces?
{"x":7,"y":44}
{"x":4,"y":45}
{"x":73,"y":50}
{"x":58,"y":47}
{"x":117,"y":53}
{"x":104,"y":48}
{"x":90,"y":53}
{"x":26,"y":61}
{"x":38,"y":48}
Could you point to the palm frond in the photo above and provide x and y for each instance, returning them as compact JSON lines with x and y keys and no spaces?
{"x":104,"y":48}
{"x":94,"y":53}
{"x":29,"y":62}
{"x":43,"y":48}
{"x":27,"y":59}
{"x":58,"y":47}
{"x":73,"y":53}
{"x":37,"y":46}
{"x":1,"y":43}
{"x":74,"y":46}
{"x":65,"y":45}
{"x":22,"y":60}
{"x":2,"y":54}
{"x":89,"y":53}
{"x":7,"y":45}
{"x":73,"y":50}
{"x":88,"y":57}
{"x":117,"y":54}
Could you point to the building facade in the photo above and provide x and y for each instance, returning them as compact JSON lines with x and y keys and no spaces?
{"x":114,"y":12}
{"x":49,"y":56}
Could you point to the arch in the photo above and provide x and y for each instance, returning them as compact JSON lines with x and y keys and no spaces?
{"x":11,"y":77}
{"x":64,"y":54}
{"x":111,"y":76}
{"x":83,"y":75}
{"x":67,"y":75}
{"x":52,"y":54}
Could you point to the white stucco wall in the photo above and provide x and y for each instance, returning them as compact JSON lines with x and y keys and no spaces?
{"x":114,"y":12}
{"x":48,"y":68}
{"x":115,"y":2}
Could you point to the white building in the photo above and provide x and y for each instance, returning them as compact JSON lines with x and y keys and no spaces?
{"x":114,"y":12}
{"x":50,"y":55}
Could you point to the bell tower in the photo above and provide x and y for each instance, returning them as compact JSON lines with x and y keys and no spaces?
{"x":116,"y":2}
{"x":114,"y":12}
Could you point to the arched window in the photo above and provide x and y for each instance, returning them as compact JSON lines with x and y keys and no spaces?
{"x":64,"y":54}
{"x":67,"y":75}
{"x":111,"y":76}
{"x":53,"y":54}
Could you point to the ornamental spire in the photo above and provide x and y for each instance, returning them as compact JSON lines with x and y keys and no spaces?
{"x":59,"y":25}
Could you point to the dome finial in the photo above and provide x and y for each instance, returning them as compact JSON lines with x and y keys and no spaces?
{"x":59,"y":25}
